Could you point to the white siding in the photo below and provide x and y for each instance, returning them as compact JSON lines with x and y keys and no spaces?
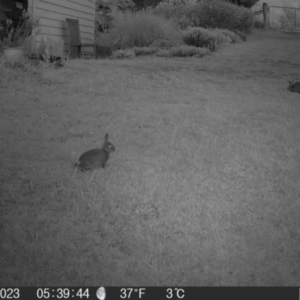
{"x":53,"y":13}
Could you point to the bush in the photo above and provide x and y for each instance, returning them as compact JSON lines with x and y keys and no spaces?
{"x":128,"y":53}
{"x":103,"y":51}
{"x":259,"y":24}
{"x":144,"y":50}
{"x":241,"y":35}
{"x":163,"y":53}
{"x":164,"y":44}
{"x":141,"y":29}
{"x":185,"y":50}
{"x":179,"y":11}
{"x":233,"y":37}
{"x":201,"y":37}
{"x":207,"y":13}
{"x":222,"y":14}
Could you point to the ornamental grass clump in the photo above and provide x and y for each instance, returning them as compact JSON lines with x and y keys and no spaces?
{"x":201,"y":37}
{"x":140,"y":29}
{"x":14,"y":36}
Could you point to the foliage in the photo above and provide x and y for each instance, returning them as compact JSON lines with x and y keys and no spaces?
{"x":140,"y":29}
{"x":127,"y":53}
{"x":185,"y":50}
{"x":233,"y":37}
{"x":103,"y":20}
{"x":221,"y":14}
{"x":11,"y":36}
{"x":258,"y":24}
{"x":164,"y":44}
{"x":103,"y":51}
{"x":206,"y":13}
{"x":46,"y":47}
{"x":174,"y":2}
{"x":245,"y":3}
{"x":241,"y":35}
{"x":179,"y":11}
{"x":163,"y":53}
{"x":121,"y":5}
{"x":106,"y":10}
{"x":201,"y":37}
{"x":144,"y":50}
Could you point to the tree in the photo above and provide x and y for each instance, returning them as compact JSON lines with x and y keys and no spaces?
{"x":245,"y":3}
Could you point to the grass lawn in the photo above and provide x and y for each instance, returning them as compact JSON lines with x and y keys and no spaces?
{"x":203,"y":188}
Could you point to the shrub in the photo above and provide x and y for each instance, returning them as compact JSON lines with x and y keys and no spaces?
{"x":163,"y":53}
{"x":201,"y":37}
{"x":207,"y":13}
{"x":185,"y":50}
{"x":127,"y":53}
{"x":231,"y":35}
{"x":222,"y":14}
{"x":241,"y":35}
{"x":144,"y":50}
{"x":103,"y":51}
{"x":164,"y":44}
{"x":179,"y":11}
{"x":259,"y":24}
{"x":14,"y":35}
{"x":141,"y":29}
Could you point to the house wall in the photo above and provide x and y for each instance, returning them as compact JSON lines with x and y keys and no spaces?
{"x":52,"y":15}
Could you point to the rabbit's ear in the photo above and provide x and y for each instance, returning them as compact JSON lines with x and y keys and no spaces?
{"x":106,"y":137}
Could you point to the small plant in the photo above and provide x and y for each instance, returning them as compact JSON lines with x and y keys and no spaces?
{"x":164,"y":44}
{"x":229,"y":34}
{"x":127,"y":53}
{"x":222,"y":14}
{"x":144,"y":50}
{"x":259,"y":24}
{"x":163,"y":53}
{"x":103,"y":51}
{"x":179,"y":10}
{"x":11,"y":36}
{"x":185,"y":50}
{"x":241,"y":35}
{"x":201,"y":37}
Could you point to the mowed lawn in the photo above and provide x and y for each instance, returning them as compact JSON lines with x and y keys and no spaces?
{"x":202,"y":190}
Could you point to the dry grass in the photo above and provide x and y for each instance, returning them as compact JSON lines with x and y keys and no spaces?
{"x":203,"y":188}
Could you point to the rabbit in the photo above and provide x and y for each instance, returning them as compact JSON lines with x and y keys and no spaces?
{"x":294,"y":87}
{"x":96,"y":158}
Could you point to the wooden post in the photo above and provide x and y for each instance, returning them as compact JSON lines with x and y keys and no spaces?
{"x":295,"y":20}
{"x":265,"y":13}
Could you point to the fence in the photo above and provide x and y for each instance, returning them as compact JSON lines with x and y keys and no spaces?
{"x":286,"y":18}
{"x":277,"y":17}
